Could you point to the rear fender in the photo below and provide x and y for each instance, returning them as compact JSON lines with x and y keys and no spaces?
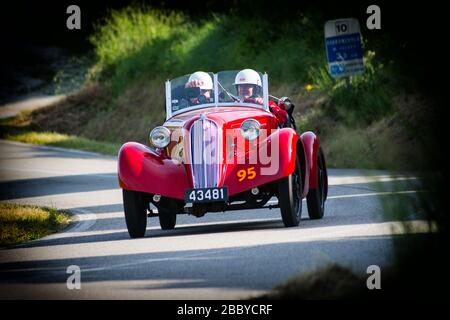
{"x":311,"y":144}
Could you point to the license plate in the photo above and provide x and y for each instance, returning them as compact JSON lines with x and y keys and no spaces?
{"x":206,"y":195}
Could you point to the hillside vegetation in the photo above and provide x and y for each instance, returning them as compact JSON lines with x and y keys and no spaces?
{"x":361,"y":123}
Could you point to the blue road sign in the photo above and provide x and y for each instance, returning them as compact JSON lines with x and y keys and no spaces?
{"x":344,"y":47}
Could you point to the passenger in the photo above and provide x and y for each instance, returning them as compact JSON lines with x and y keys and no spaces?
{"x":204,"y":93}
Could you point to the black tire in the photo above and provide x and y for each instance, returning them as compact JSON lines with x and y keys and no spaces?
{"x":135,"y":207}
{"x":316,"y":197}
{"x":167,"y":219}
{"x":289,"y":197}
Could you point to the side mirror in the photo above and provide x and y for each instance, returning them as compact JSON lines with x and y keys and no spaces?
{"x":286,"y":104}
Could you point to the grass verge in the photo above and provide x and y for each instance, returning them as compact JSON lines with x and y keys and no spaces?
{"x":65,"y":141}
{"x":18,"y":129}
{"x":20,"y":223}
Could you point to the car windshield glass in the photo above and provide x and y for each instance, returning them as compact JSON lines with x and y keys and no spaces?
{"x":206,"y":89}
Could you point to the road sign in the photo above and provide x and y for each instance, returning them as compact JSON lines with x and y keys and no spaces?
{"x":344,"y":47}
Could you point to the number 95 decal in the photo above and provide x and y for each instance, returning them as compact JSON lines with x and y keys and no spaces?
{"x":248,"y":173}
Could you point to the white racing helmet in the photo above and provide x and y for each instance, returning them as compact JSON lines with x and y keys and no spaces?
{"x":203,"y":78}
{"x":248,"y":76}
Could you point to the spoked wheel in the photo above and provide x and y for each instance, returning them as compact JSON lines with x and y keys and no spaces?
{"x":135,"y":207}
{"x":167,"y":219}
{"x":289,"y":197}
{"x":316,"y":197}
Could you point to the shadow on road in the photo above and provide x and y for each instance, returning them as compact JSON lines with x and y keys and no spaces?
{"x":114,"y":229}
{"x":253,"y":265}
{"x":122,"y":234}
{"x":57,"y":185}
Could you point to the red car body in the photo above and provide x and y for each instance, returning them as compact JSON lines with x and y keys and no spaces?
{"x":209,"y":152}
{"x":143,"y":169}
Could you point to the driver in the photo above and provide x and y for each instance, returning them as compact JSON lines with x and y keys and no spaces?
{"x":249,"y":88}
{"x":203,"y":81}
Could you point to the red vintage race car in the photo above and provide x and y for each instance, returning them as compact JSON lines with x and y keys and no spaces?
{"x":226,"y":145}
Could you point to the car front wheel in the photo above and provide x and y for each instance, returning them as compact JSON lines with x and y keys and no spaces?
{"x":135,"y":207}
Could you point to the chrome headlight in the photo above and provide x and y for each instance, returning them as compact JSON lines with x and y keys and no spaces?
{"x":250,"y":129}
{"x":160,"y":137}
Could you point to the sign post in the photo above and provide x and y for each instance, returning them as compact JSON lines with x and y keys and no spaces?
{"x":344,"y":47}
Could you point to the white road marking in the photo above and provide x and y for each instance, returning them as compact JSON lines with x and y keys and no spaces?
{"x":374,"y":194}
{"x":334,"y":181}
{"x":362,"y":195}
{"x":85,"y":220}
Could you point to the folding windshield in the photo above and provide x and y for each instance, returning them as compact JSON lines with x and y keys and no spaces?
{"x":225,"y":88}
{"x":189,"y":92}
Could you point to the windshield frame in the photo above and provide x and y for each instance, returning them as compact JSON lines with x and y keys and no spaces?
{"x":216,"y":103}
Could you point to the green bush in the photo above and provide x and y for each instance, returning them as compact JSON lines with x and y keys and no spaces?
{"x":135,"y":43}
{"x":362,"y":99}
{"x":138,"y":44}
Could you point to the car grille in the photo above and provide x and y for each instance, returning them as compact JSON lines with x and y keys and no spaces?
{"x":205,"y":153}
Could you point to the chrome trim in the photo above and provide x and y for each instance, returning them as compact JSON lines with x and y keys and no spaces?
{"x":166,"y":130}
{"x":252,"y":119}
{"x":168,"y":100}
{"x":249,"y":119}
{"x":205,"y":152}
{"x":266,"y":91}
{"x":216,"y":90}
{"x":174,"y":123}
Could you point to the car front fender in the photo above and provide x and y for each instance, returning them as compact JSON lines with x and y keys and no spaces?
{"x":242,"y":176}
{"x":142,"y":169}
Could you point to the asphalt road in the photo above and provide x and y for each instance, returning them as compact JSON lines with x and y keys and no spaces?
{"x":28,"y":103}
{"x":219,"y":256}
